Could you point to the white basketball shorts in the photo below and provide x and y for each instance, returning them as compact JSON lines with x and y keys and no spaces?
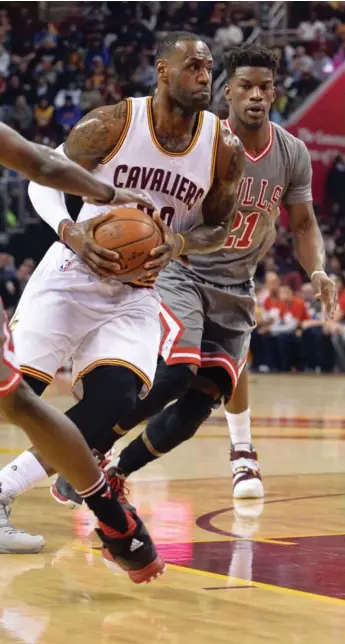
{"x":68,"y":312}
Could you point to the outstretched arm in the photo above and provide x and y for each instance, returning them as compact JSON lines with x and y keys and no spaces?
{"x":48,"y":168}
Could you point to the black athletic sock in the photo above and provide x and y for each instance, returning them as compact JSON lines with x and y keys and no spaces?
{"x":168,"y":429}
{"x":105,"y":505}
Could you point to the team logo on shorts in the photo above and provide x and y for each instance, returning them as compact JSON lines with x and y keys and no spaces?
{"x":65,"y":265}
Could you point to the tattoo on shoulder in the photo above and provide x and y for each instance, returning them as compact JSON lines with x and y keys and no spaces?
{"x":96,"y":134}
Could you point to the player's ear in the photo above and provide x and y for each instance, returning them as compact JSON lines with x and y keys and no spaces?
{"x":227,"y":92}
{"x":274,"y":94}
{"x":162,"y":69}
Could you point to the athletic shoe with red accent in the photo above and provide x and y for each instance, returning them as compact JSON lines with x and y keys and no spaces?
{"x":246,"y":478}
{"x":64,"y":494}
{"x":134,"y":551}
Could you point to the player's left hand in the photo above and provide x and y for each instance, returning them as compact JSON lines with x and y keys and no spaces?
{"x":122,"y":197}
{"x":325,"y":290}
{"x":170,"y":249}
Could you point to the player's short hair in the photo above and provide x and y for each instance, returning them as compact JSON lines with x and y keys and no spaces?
{"x":250,"y":56}
{"x":167,"y":45}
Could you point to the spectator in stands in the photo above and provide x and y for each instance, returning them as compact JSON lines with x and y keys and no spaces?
{"x":317,"y":352}
{"x":280,"y":106}
{"x":96,"y":50}
{"x":285,"y":340}
{"x":4,"y":60}
{"x":43,"y":88}
{"x":112,"y":92}
{"x":71,"y":90}
{"x":323,"y":64}
{"x":300,"y":61}
{"x":340,"y":312}
{"x":306,"y":84}
{"x":68,"y":115}
{"x":90,"y":97}
{"x":24,"y":273}
{"x":228,"y":34}
{"x":98,"y":73}
{"x":145,"y":75}
{"x":13,"y":90}
{"x":43,"y":115}
{"x":9,"y":283}
{"x":20,"y":116}
{"x":310,"y":29}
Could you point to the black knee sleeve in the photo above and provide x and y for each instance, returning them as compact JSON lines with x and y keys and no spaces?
{"x":169,"y":383}
{"x":221,"y":379}
{"x":38,"y":386}
{"x":179,"y":422}
{"x":109,"y":393}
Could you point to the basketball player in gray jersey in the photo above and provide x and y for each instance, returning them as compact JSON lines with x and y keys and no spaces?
{"x":208,"y":301}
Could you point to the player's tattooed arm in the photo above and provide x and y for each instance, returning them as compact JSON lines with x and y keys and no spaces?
{"x":310,"y":251}
{"x":96,"y":135}
{"x":219,"y":206}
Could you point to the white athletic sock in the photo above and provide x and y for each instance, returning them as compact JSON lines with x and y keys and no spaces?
{"x":239,"y":429}
{"x":21,"y":475}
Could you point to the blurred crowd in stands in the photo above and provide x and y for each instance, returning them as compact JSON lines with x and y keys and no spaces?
{"x":51,"y":73}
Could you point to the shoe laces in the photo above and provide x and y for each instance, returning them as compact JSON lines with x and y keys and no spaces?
{"x":117,"y":481}
{"x":102,"y":461}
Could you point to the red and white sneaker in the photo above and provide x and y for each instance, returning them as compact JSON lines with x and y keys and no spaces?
{"x":246,"y":478}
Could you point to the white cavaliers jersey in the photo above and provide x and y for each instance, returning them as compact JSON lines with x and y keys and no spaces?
{"x":176,"y":182}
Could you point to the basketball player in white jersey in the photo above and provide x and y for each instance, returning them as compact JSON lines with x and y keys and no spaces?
{"x":211,"y":298}
{"x":52,"y":433}
{"x":174,"y":153}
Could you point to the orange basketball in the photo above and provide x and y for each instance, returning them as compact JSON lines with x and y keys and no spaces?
{"x":132,"y":234}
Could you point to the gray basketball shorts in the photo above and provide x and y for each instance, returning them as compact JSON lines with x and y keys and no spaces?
{"x":205,"y":324}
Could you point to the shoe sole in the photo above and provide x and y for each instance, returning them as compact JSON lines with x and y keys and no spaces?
{"x":250,"y":489}
{"x":62,"y":499}
{"x":142,"y":576}
{"x":32,"y":551}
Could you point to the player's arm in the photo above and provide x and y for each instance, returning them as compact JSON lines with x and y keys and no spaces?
{"x":44,"y":166}
{"x":219,"y":205}
{"x":308,"y":241}
{"x":218,"y":209}
{"x":90,"y":141}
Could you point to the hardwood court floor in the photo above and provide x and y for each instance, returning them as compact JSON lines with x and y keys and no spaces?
{"x":237,"y":572}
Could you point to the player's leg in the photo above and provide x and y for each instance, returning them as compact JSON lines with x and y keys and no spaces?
{"x":177,"y":422}
{"x":60,"y":443}
{"x":246,"y":472}
{"x":182,"y":327}
{"x":182,"y":322}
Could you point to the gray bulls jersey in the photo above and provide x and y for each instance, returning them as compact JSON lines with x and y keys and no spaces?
{"x":281,"y":173}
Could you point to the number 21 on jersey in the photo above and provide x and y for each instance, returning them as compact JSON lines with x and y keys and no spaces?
{"x":246,"y":221}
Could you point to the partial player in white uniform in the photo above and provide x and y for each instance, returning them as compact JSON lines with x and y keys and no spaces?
{"x":171,"y":151}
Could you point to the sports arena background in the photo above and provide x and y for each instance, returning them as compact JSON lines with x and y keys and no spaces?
{"x":58,"y":60}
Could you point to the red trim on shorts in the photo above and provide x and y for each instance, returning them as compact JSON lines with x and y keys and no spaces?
{"x":12,"y":382}
{"x":221,"y":360}
{"x":184,"y":355}
{"x":167,"y":328}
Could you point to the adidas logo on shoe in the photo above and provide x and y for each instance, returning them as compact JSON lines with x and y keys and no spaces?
{"x":135,"y":545}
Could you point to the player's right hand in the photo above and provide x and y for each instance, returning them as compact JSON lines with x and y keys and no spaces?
{"x":80,"y":238}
